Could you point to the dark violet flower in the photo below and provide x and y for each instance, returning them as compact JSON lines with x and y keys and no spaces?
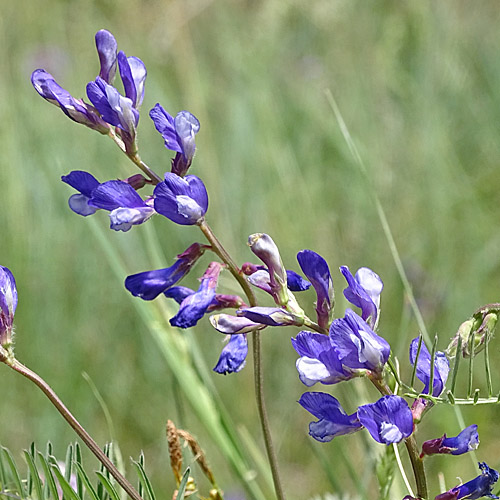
{"x":233,"y":355}
{"x":225,"y":323}
{"x":295,"y":282}
{"x":364,"y":292}
{"x":182,"y":200}
{"x":333,"y":420}
{"x":8,"y":304}
{"x":149,"y":284}
{"x":85,"y":183}
{"x":318,"y":361}
{"x":271,"y":316}
{"x":479,"y":487}
{"x":441,"y":367}
{"x":133,"y":74}
{"x":467,"y":440}
{"x":178,"y":293}
{"x":260,"y":279}
{"x":389,"y":420}
{"x":357,"y":345}
{"x":194,"y":306}
{"x":126,"y":207}
{"x":178,"y":134}
{"x":115,"y":109}
{"x":106,"y":48}
{"x":76,"y":109}
{"x":317,"y":272}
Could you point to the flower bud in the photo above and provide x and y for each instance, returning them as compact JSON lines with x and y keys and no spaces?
{"x":8,"y":304}
{"x":263,"y":246}
{"x":478,"y":328}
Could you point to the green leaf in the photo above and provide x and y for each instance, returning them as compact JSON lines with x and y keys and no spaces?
{"x":15,"y":474}
{"x":183,"y":483}
{"x":35,"y":480}
{"x":85,"y":481}
{"x":385,"y":469}
{"x":78,"y":461}
{"x":108,"y":486}
{"x":68,"y":463}
{"x":50,"y":484}
{"x":69,"y":493}
{"x":143,"y":478}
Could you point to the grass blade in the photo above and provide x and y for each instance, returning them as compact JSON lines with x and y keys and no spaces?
{"x":35,"y":480}
{"x":69,"y":493}
{"x":14,"y":473}
{"x":85,"y":481}
{"x":143,"y":479}
{"x":183,"y":484}
{"x":50,"y":484}
{"x":113,"y":494}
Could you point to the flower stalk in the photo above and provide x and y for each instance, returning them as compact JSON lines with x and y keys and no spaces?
{"x":257,"y":355}
{"x":9,"y":359}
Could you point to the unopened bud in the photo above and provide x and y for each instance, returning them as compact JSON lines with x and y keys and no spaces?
{"x":476,"y":332}
{"x":8,"y":304}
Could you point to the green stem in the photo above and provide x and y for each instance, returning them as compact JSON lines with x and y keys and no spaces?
{"x":153,"y":176}
{"x":418,"y":467}
{"x":9,"y":360}
{"x":411,"y":445}
{"x":257,"y":355}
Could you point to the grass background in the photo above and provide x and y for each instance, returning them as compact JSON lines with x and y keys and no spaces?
{"x":418,"y":84}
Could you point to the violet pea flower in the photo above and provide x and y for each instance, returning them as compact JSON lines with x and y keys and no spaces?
{"x":116,"y":110}
{"x":467,"y":440}
{"x":231,"y":325}
{"x":479,"y":487}
{"x":357,"y":345}
{"x":317,"y":272}
{"x":332,"y":419}
{"x":233,"y":355}
{"x":149,"y":284}
{"x":126,"y":207}
{"x":319,"y":362}
{"x":76,"y":109}
{"x":8,"y":304}
{"x":271,"y":316}
{"x":364,"y":291}
{"x":260,"y":278}
{"x":183,"y":200}
{"x":441,"y":367}
{"x":106,"y":49}
{"x":178,"y":134}
{"x":85,"y":183}
{"x":194,"y":306}
{"x":389,"y":420}
{"x":133,"y":74}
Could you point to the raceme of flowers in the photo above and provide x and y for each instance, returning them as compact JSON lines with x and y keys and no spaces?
{"x":331,"y":350}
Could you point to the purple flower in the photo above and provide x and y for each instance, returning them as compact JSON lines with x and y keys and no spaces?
{"x":76,"y":109}
{"x":8,"y":304}
{"x":225,"y":323}
{"x":317,"y":272}
{"x":389,"y":420}
{"x":194,"y":306}
{"x":295,"y":282}
{"x":364,"y":292}
{"x":271,"y":316}
{"x":441,"y":367}
{"x":178,"y":134}
{"x":182,"y":200}
{"x":233,"y":355}
{"x":116,"y":110}
{"x":106,"y":48}
{"x":133,"y":74}
{"x":318,"y":362}
{"x":333,"y":420}
{"x":85,"y":183}
{"x":479,"y":487}
{"x":467,"y":440}
{"x":357,"y":345}
{"x":148,"y":285}
{"x":126,"y":207}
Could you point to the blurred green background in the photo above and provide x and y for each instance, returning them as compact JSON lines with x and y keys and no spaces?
{"x":418,"y":84}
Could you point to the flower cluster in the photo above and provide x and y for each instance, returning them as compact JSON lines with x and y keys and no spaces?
{"x":331,"y":349}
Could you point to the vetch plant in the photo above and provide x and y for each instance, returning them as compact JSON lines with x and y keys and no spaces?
{"x":332,"y":348}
